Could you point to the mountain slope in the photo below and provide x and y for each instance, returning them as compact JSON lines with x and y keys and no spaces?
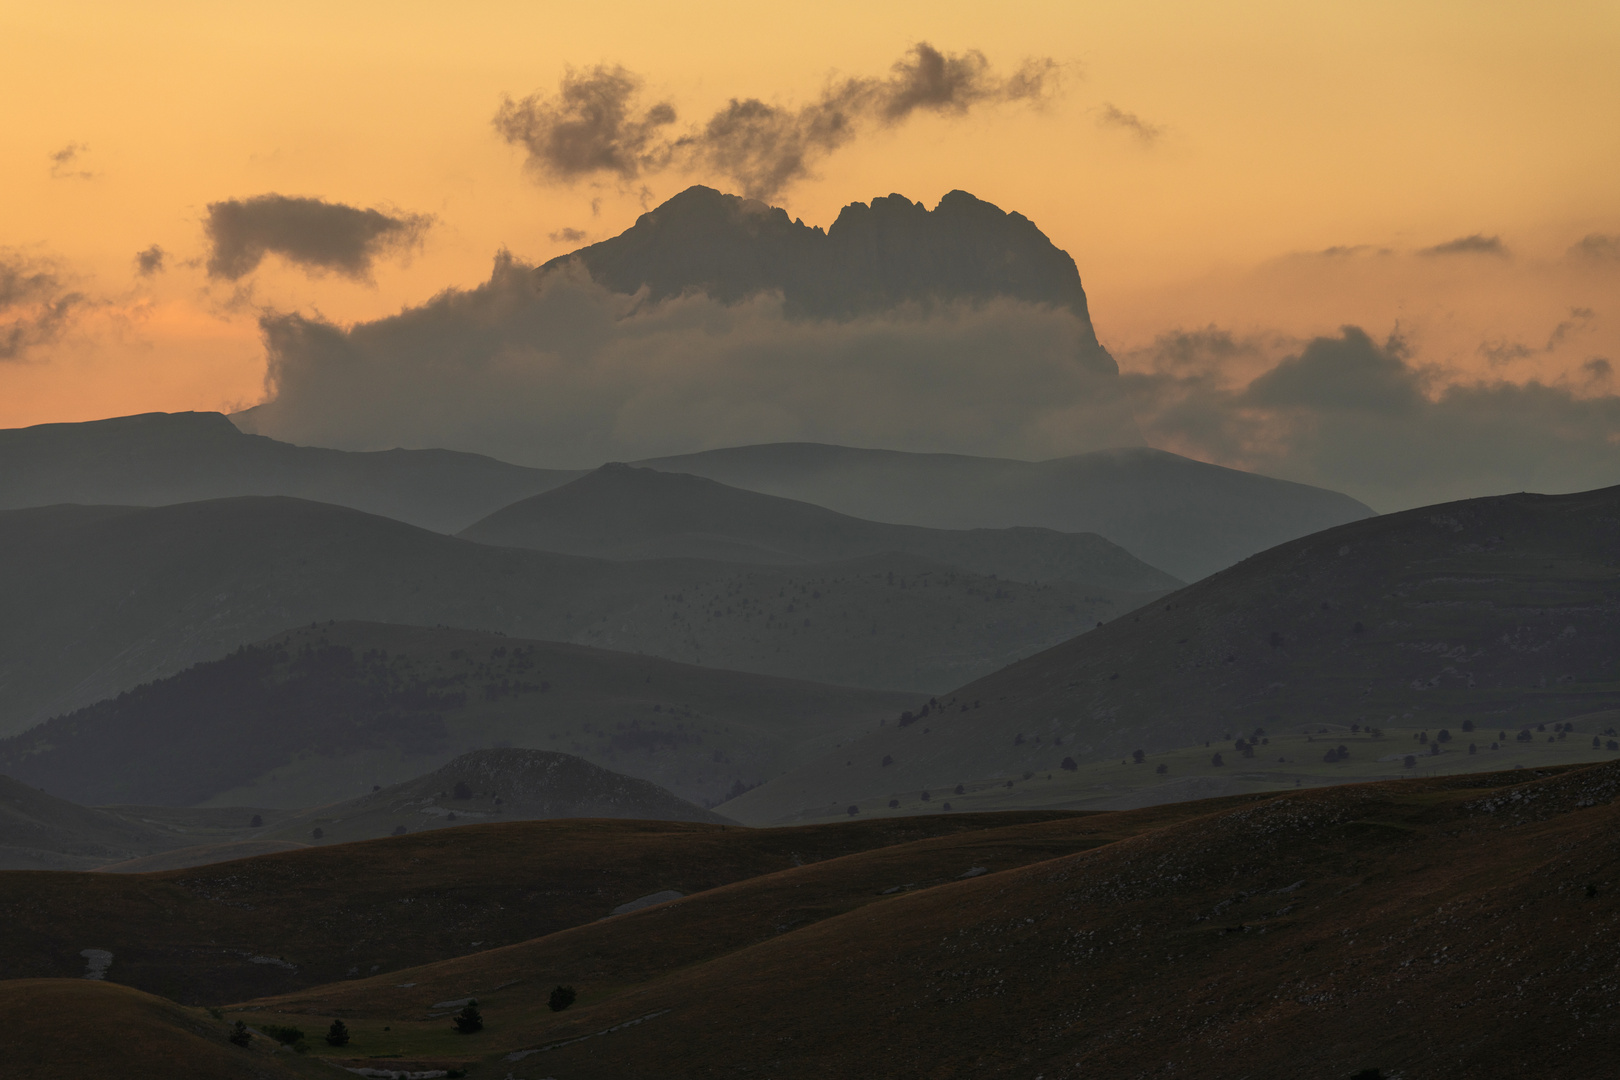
{"x":314,"y":716}
{"x":622,"y":512}
{"x":1185,"y":517}
{"x":41,"y":832}
{"x":155,"y":459}
{"x":1502,"y":612}
{"x":95,"y":600}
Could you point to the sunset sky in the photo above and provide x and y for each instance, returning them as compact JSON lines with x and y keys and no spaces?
{"x":1274,"y":170}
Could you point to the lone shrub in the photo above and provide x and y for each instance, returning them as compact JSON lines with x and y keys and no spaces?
{"x":1410,"y":762}
{"x":1217,"y":760}
{"x":853,"y":810}
{"x":337,"y":1034}
{"x":1162,"y":769}
{"x":1068,"y":763}
{"x":561,"y":998}
{"x":240,"y":1035}
{"x":257,"y":822}
{"x":469,"y":1021}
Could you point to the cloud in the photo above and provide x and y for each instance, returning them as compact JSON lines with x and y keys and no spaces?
{"x":150,"y":261}
{"x":1477,"y":244}
{"x":315,"y":235}
{"x":596,"y":124}
{"x":1597,"y":247}
{"x":1113,"y":116}
{"x":560,"y":371}
{"x":36,"y":304}
{"x":1361,"y":416}
{"x":65,"y":160}
{"x":567,"y":236}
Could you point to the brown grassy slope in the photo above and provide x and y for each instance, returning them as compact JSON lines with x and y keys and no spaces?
{"x":1503,"y":610}
{"x":604,"y":957}
{"x":278,"y":922}
{"x":70,"y":1029}
{"x":1425,"y":928}
{"x":621,"y":512}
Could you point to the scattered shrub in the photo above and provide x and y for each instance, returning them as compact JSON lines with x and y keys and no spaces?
{"x":561,"y":998}
{"x":1444,"y":736}
{"x":286,"y":1036}
{"x":469,"y":1021}
{"x":1068,"y":763}
{"x":1162,"y":769}
{"x":240,"y":1035}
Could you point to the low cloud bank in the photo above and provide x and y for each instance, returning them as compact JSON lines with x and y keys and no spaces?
{"x":597,"y":124}
{"x":315,"y":235}
{"x":1364,"y":417}
{"x":559,"y":371}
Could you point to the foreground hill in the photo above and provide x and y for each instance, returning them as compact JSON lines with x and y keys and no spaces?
{"x":1501,"y":614}
{"x":622,"y":512}
{"x":1186,"y":517}
{"x":275,"y":923}
{"x":155,"y":459}
{"x":314,"y":716}
{"x":95,"y":600}
{"x":1443,"y":929}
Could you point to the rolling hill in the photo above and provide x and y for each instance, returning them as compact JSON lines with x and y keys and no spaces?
{"x":1185,"y":517}
{"x":276,"y":923}
{"x":155,"y":459}
{"x":314,"y":716}
{"x":1457,"y":928}
{"x":1501,"y":614}
{"x":97,"y":600}
{"x":622,"y":512}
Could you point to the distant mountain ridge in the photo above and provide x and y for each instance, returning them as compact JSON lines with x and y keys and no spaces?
{"x":874,"y":257}
{"x":1188,"y":518}
{"x":622,"y":512}
{"x":158,"y":459}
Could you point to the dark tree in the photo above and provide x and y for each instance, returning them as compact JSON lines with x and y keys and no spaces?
{"x":894,"y":804}
{"x":257,"y":822}
{"x":1216,"y":760}
{"x":561,"y":998}
{"x":461,"y":790}
{"x":1468,"y":725}
{"x":240,"y":1035}
{"x":853,"y":810}
{"x":1068,"y":763}
{"x":886,"y":762}
{"x":318,"y":832}
{"x":399,"y":830}
{"x":1472,"y":749}
{"x":337,"y":1034}
{"x":1410,"y":762}
{"x":469,"y":1021}
{"x":1162,"y":769}
{"x":961,"y":790}
{"x":1445,"y":736}
{"x":925,"y":796}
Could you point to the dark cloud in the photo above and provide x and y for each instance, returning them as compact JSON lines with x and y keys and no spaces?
{"x":567,"y":236}
{"x":1113,"y":116}
{"x":592,"y":126}
{"x":1477,"y":244}
{"x":1597,"y":246}
{"x":36,"y":304}
{"x":150,"y":261}
{"x":596,"y":124}
{"x":1361,"y":416}
{"x":64,"y":163}
{"x":318,"y":236}
{"x":561,"y":371}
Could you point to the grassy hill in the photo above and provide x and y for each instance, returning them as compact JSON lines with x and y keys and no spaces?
{"x":1185,"y":517}
{"x":318,"y":715}
{"x":1500,"y":613}
{"x":622,"y":512}
{"x":1447,"y":928}
{"x":275,"y":923}
{"x":97,"y":600}
{"x":41,"y":832}
{"x":155,"y":459}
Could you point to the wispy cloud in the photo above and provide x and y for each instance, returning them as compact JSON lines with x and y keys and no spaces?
{"x":598,"y":125}
{"x":1477,"y":244}
{"x":36,"y":303}
{"x":1113,"y":116}
{"x":65,"y":163}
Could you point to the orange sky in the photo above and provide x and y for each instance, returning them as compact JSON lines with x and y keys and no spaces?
{"x":1287,"y":129}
